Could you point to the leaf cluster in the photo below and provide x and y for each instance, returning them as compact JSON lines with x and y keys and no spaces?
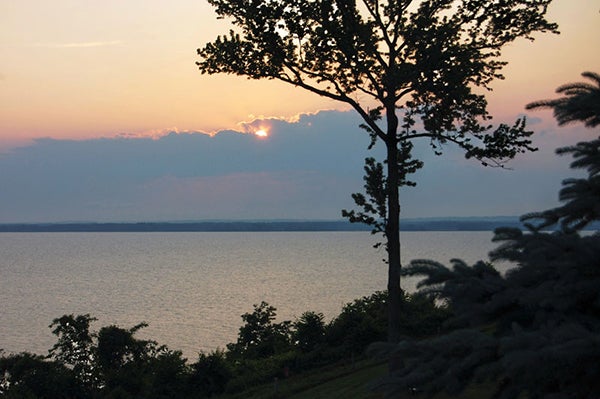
{"x":112,"y":362}
{"x":580,"y":102}
{"x":581,"y":196}
{"x":260,"y":337}
{"x":374,"y":201}
{"x":374,"y":208}
{"x":26,"y":375}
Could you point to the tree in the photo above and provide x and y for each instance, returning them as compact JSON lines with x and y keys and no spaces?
{"x":211,"y":373}
{"x":75,"y":347}
{"x":117,"y":346}
{"x":309,"y":331}
{"x":259,"y":337}
{"x":25,"y":375}
{"x":581,"y":102}
{"x":581,"y":196}
{"x":534,"y":332}
{"x":409,"y":68}
{"x":111,"y":362}
{"x":360,"y":323}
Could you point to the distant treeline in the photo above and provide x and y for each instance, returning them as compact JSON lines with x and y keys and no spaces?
{"x":450,"y":224}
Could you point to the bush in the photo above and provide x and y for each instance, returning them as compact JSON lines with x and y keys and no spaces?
{"x":252,"y":372}
{"x":113,"y":363}
{"x":211,"y":373}
{"x":364,"y":321}
{"x":309,"y":331}
{"x":360,"y":323}
{"x":259,"y":337}
{"x":26,"y":375}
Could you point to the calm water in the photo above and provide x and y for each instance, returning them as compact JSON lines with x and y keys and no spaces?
{"x":192,"y":287}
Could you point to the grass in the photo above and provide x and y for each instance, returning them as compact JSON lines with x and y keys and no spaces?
{"x":340,"y":382}
{"x":344,"y":380}
{"x":352,"y":385}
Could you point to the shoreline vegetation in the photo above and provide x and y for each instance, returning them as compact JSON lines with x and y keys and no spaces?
{"x":111,"y":362}
{"x":417,"y":224}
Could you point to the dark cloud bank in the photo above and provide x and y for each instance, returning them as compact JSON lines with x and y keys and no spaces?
{"x":304,"y":170}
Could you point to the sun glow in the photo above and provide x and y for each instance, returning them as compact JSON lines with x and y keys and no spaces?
{"x":261,"y":133}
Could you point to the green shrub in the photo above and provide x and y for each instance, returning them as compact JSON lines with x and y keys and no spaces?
{"x":360,"y":323}
{"x":25,"y":375}
{"x":211,"y":373}
{"x":309,"y":331}
{"x":260,"y":337}
{"x":251,"y":372}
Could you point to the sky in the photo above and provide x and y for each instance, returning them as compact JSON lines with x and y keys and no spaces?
{"x":105,"y":117}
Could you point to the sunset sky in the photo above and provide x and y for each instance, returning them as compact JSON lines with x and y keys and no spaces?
{"x":103,"y":114}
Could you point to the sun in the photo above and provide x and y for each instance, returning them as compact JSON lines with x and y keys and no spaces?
{"x":261,"y":133}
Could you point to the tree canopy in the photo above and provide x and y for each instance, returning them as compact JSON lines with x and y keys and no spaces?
{"x":422,"y":56}
{"x":580,"y":103}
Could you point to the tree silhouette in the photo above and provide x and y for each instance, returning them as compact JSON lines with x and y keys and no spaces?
{"x":581,"y":102}
{"x":260,"y":337}
{"x":25,"y":375}
{"x":309,"y":331}
{"x":109,"y":363}
{"x":75,"y":346}
{"x":374,"y":209}
{"x":582,"y":196}
{"x":533,"y":332}
{"x":409,"y":68}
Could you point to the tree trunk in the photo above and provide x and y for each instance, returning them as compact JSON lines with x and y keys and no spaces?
{"x":393,"y":230}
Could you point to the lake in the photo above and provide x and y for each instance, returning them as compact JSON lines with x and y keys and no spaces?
{"x":192,"y":287}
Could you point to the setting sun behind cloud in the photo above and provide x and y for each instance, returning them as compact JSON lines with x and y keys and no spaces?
{"x":261,"y":133}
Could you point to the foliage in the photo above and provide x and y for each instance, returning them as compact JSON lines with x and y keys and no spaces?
{"x":211,"y":373}
{"x":75,"y":346}
{"x":425,"y":53}
{"x":364,"y":320}
{"x":409,"y":68}
{"x":309,"y":331}
{"x":252,"y":372}
{"x":581,"y":196}
{"x":136,"y":367}
{"x":259,"y":337}
{"x":374,"y":208}
{"x":421,"y":316}
{"x":113,"y":363}
{"x":469,"y":287}
{"x":263,"y":349}
{"x":581,"y":102}
{"x":26,"y":375}
{"x":117,"y":347}
{"x":360,"y":323}
{"x":533,"y":332}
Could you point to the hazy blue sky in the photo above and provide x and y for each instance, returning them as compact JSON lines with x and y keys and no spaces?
{"x":303,"y":170}
{"x":90,"y":91}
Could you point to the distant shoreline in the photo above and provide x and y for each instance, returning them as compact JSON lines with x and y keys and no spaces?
{"x":437,"y":224}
